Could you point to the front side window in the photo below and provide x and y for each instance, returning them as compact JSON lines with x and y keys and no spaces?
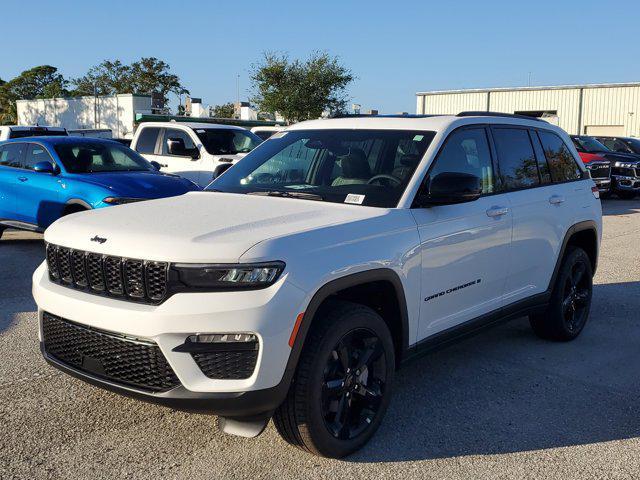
{"x":466,"y":151}
{"x":171,"y":133}
{"x":227,"y":141}
{"x":562,"y":165}
{"x":516,"y":159}
{"x":36,"y":154}
{"x":90,"y":157}
{"x":364,"y":167}
{"x":147,"y":140}
{"x":12,"y":154}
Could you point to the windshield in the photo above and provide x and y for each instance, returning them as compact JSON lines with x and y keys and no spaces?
{"x":588,"y":145}
{"x":89,"y":157}
{"x":227,"y":141}
{"x":363,"y":167}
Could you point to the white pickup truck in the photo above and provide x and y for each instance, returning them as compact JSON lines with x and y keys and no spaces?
{"x":197,"y":151}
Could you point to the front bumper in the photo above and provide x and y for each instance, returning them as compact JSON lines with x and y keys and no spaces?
{"x":268,"y":313}
{"x":229,"y":404}
{"x":622,"y":182}
{"x":603,"y":184}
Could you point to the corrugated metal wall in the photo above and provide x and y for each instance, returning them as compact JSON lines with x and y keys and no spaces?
{"x":614,"y":109}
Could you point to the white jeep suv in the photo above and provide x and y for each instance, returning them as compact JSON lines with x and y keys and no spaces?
{"x":197,"y":151}
{"x":296,"y":285}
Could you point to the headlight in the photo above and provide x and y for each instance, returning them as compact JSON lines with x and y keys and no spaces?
{"x":624,"y":165}
{"x":240,"y":276}
{"x":121,"y":200}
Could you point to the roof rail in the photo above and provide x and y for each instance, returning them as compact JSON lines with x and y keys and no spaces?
{"x":498,"y":114}
{"x":392,"y":115}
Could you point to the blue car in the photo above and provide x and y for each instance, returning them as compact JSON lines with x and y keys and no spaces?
{"x":44,"y":178}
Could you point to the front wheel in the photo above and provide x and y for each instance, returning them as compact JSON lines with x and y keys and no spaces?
{"x":342,"y":385}
{"x":570,"y":302}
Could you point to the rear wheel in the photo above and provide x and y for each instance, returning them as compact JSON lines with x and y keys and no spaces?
{"x":342,"y":385}
{"x":570,"y":301}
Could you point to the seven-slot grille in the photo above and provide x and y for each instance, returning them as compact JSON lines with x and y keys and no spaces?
{"x":130,"y":279}
{"x":134,"y":363}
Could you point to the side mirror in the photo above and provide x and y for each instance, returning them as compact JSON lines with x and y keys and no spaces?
{"x":44,"y":167}
{"x":176,"y":146}
{"x":155,"y":165}
{"x":450,"y":187}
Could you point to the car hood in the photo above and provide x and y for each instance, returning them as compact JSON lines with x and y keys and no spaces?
{"x":139,"y":184}
{"x":621,"y":157}
{"x":199,"y":226}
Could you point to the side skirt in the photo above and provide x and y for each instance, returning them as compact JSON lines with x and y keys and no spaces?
{"x":450,"y":336}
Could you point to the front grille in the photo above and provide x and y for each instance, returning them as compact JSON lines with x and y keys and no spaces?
{"x":600,"y":170}
{"x":138,"y":364}
{"x":129,"y":279}
{"x":228,"y":364}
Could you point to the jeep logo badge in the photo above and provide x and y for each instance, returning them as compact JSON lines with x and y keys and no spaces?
{"x":98,"y":239}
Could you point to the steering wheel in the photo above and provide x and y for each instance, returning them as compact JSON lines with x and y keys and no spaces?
{"x":394,"y":181}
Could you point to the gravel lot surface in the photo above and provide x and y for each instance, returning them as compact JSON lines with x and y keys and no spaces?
{"x":500,"y":405}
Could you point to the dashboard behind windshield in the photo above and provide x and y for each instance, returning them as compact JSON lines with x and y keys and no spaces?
{"x":363,"y":167}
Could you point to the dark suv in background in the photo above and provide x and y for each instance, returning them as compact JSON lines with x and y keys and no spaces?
{"x":625,"y":166}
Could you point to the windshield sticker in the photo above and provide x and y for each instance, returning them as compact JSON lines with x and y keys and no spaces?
{"x":418,"y":138}
{"x":354,"y":198}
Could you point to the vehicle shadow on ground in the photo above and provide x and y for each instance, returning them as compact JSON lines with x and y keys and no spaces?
{"x":616,"y":206}
{"x":18,"y":260}
{"x":507,"y":391}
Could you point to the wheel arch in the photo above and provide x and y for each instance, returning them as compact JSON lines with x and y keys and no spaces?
{"x":347,"y":288}
{"x":75,"y":203}
{"x":583,"y":235}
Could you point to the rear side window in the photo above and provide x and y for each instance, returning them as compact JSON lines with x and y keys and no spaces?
{"x":147,"y":140}
{"x":466,"y":151}
{"x":561,"y":162}
{"x":517,"y":161}
{"x":36,"y":154}
{"x":12,"y":155}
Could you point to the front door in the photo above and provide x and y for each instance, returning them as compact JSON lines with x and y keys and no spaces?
{"x":464,"y":246}
{"x":185,"y":166}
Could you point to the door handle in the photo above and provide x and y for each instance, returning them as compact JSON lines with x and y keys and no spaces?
{"x":497,"y":211}
{"x":23,"y":179}
{"x":556,"y":199}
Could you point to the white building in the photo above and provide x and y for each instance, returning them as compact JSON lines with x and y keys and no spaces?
{"x":115,"y":112}
{"x":602,"y":109}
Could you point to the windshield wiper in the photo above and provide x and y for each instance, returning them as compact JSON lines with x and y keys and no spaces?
{"x":279,"y":193}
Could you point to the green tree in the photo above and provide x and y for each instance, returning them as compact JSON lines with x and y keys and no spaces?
{"x":146,"y":76}
{"x":226,"y":110}
{"x":300,"y":90}
{"x":43,"y":81}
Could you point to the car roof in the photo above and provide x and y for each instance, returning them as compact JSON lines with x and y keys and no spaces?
{"x":56,"y":140}
{"x":192,"y":125}
{"x":406,"y":122}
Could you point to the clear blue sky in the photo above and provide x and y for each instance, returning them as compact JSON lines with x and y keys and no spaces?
{"x":395,"y":48}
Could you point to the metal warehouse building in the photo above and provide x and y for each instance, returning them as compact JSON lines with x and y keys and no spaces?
{"x":602,"y":109}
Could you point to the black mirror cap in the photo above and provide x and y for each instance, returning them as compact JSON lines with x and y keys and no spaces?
{"x":449,"y":188}
{"x":155,"y":165}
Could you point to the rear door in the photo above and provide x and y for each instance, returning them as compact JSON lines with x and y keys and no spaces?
{"x":11,"y":155}
{"x":463,"y":246}
{"x":542,"y":209}
{"x":38,"y":195}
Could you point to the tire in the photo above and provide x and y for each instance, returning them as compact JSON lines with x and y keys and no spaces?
{"x":570,"y":303}
{"x":626,"y":195}
{"x":323,"y":416}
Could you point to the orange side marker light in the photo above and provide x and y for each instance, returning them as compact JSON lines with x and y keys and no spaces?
{"x":296,"y":327}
